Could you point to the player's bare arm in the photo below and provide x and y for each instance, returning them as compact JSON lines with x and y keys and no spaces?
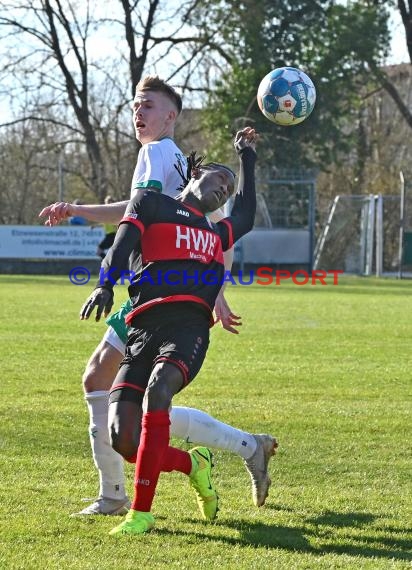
{"x":102,"y":213}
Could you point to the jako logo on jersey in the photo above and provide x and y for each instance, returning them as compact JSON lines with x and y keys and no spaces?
{"x":182,"y":213}
{"x":145,"y":482}
{"x":131,"y":215}
{"x":195,"y":239}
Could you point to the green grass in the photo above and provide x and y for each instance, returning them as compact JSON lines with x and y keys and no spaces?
{"x":327,"y":369}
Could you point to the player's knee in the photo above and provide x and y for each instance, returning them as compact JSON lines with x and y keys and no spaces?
{"x":124,"y":426}
{"x":123,"y":447}
{"x":122,"y":444}
{"x":157,"y":397}
{"x":101,"y":368}
{"x":90,"y":377}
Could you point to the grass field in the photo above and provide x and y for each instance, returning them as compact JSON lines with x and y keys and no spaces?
{"x":327,"y":369}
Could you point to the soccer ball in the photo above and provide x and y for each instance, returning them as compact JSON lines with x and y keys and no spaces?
{"x":286,"y":96}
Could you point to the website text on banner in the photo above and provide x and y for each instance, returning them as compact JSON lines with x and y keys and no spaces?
{"x":37,"y":242}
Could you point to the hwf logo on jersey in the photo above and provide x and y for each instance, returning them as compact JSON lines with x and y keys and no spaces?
{"x":195,"y":240}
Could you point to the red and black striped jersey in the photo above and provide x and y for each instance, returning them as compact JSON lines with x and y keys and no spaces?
{"x":173,"y":252}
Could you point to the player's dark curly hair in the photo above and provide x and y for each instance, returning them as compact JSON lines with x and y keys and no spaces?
{"x":195,"y":162}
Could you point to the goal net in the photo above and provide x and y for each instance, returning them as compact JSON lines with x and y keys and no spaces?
{"x":360,"y":236}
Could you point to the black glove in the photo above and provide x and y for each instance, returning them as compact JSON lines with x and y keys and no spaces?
{"x":102,"y":298}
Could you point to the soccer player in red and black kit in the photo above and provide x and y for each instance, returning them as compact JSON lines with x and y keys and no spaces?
{"x":176,"y":256}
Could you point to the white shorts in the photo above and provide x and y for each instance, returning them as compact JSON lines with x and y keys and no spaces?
{"x":111,"y":338}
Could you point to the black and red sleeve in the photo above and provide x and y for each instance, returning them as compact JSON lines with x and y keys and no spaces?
{"x":242,"y":216}
{"x":139,"y":214}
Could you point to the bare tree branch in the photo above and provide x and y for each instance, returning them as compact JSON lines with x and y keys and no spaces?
{"x":137,"y":63}
{"x":67,"y":27}
{"x":43,"y":120}
{"x":391,"y":89}
{"x":407,"y":24}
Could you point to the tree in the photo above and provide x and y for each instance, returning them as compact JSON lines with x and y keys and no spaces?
{"x":49,"y":46}
{"x":406,"y":15}
{"x":28,"y":170}
{"x":331,"y":41}
{"x":384,"y":79}
{"x":54,"y":35}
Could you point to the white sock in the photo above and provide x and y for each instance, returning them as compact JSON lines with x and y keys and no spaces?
{"x":108,"y":462}
{"x":195,"y":426}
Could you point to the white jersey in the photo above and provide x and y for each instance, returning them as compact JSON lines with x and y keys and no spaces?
{"x":155,"y":168}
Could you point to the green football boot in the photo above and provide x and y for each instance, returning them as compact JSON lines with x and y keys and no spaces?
{"x":200,"y":480}
{"x":135,"y":522}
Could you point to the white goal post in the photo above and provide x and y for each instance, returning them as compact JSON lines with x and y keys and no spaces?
{"x":361,"y":235}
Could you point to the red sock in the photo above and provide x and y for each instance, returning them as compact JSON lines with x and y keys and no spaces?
{"x":177,"y":460}
{"x":154,"y":443}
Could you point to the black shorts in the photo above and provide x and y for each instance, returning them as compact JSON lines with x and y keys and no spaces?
{"x":183,"y":342}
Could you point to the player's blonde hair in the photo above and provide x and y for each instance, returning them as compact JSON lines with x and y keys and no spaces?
{"x":154,"y":83}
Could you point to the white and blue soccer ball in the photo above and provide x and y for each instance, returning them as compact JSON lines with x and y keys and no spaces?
{"x":286,"y":96}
